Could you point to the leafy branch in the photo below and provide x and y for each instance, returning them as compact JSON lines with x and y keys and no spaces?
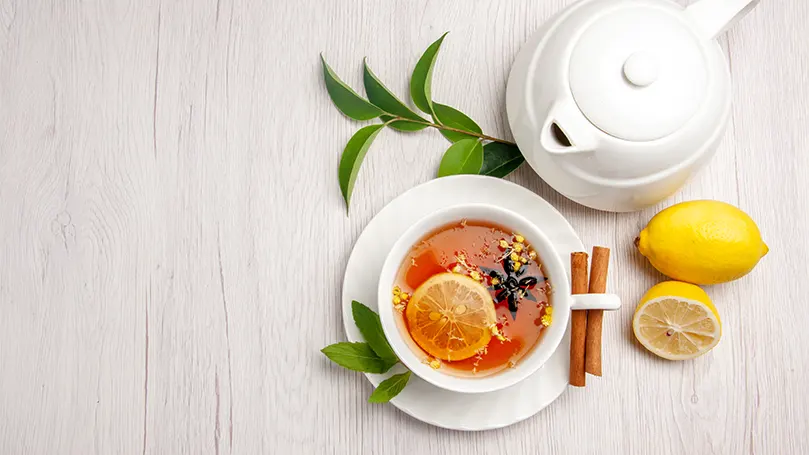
{"x":373,"y":356}
{"x":445,"y":129}
{"x":471,"y":152}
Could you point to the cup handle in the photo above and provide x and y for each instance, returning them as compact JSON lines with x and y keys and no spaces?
{"x":596,"y":302}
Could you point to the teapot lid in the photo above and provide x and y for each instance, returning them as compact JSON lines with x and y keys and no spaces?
{"x":638,"y":72}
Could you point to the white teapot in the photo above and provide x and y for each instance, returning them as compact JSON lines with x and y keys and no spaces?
{"x":616,"y":103}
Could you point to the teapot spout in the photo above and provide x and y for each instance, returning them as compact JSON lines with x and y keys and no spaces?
{"x":714,"y":17}
{"x":566,"y":130}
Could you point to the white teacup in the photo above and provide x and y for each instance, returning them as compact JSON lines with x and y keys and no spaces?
{"x":561,"y":299}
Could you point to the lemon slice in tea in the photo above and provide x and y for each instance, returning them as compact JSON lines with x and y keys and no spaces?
{"x":450,"y":316}
{"x":677,"y":321}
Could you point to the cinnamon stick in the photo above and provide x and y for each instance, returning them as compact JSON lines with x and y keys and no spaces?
{"x":578,"y":271}
{"x":598,"y":285}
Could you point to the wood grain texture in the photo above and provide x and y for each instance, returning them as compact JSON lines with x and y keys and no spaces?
{"x":172,"y":236}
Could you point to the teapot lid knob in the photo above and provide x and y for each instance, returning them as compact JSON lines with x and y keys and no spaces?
{"x":641,"y":68}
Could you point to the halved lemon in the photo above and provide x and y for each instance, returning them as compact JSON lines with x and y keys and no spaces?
{"x":677,"y":321}
{"x":451,"y":316}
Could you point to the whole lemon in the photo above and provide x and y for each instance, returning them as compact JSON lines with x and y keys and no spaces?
{"x":702,"y":242}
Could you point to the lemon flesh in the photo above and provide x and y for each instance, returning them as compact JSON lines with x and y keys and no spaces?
{"x":450,"y":316}
{"x":677,"y":321}
{"x":702,"y":242}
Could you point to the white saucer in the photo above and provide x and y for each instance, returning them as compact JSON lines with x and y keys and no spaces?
{"x":458,"y":411}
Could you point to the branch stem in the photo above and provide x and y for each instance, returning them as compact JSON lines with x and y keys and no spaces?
{"x":449,"y":128}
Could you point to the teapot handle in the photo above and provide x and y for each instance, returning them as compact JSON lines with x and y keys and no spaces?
{"x":566,"y":130}
{"x":714,"y":17}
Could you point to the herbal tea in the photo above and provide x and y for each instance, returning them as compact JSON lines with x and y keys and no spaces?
{"x":473,"y":298}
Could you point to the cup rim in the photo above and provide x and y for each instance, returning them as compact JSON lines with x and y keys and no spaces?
{"x":552,"y":266}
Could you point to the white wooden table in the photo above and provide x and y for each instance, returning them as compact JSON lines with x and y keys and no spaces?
{"x":172,"y":236}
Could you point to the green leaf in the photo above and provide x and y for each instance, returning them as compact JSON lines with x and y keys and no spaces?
{"x":370,"y":327}
{"x":499,"y":159}
{"x":422,"y":79}
{"x":403,"y":125}
{"x":449,"y":116}
{"x":383,"y":98}
{"x":352,"y":157}
{"x":389,"y":388}
{"x":462,"y":157}
{"x":357,"y":357}
{"x":346,"y":99}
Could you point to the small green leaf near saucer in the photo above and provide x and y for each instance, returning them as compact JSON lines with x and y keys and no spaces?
{"x":357,"y":357}
{"x":389,"y":388}
{"x":371,"y":328}
{"x":373,"y":356}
